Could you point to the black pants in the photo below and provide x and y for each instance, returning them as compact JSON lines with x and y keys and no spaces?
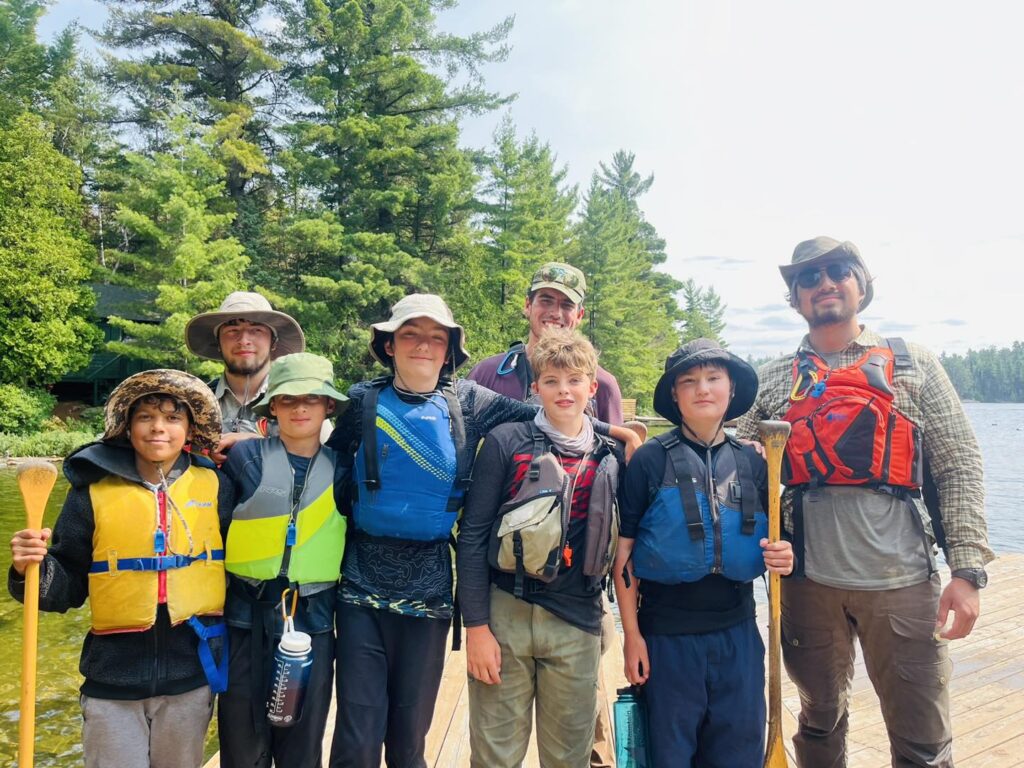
{"x":245,"y":743}
{"x":389,"y":671}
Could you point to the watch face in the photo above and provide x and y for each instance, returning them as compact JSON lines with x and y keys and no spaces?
{"x":981,"y":579}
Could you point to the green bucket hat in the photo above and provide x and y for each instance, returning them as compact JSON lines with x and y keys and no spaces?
{"x":300,"y":373}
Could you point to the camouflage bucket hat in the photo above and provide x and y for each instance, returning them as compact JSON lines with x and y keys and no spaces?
{"x":300,"y":373}
{"x":193,"y":392}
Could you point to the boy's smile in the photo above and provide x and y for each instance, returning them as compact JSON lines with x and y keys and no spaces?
{"x":564,"y":395}
{"x":158,"y":432}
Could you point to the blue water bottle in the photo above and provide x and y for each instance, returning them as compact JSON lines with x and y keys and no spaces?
{"x":293,"y":661}
{"x":631,"y":729}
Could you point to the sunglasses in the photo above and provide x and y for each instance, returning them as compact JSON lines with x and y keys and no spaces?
{"x":291,"y":401}
{"x":837,"y":272}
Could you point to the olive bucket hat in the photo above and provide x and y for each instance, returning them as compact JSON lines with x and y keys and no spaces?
{"x":300,"y":373}
{"x":410,"y":307}
{"x":701,"y":352}
{"x":193,"y":392}
{"x":202,"y":331}
{"x":824,"y":250}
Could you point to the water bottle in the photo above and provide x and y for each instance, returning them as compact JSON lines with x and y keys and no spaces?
{"x":293,"y":661}
{"x":631,"y":729}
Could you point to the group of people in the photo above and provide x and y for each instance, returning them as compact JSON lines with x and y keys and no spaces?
{"x":211,"y":516}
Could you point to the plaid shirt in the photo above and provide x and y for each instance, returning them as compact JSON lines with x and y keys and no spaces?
{"x":925,"y":395}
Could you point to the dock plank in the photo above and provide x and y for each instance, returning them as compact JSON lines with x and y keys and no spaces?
{"x":987,"y":693}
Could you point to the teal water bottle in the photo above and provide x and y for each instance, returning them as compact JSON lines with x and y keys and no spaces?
{"x":631,"y":729}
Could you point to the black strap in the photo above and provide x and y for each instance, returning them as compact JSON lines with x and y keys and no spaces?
{"x":517,"y":552}
{"x":520,"y":366}
{"x":798,"y":532}
{"x":458,"y":428}
{"x":539,"y":449}
{"x":369,"y":433}
{"x":900,"y":352}
{"x":748,"y":493}
{"x":684,"y":482}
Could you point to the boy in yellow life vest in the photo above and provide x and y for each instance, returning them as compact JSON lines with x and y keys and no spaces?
{"x":140,"y":536}
{"x":286,"y":534}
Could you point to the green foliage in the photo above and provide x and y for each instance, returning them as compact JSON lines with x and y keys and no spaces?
{"x":44,"y":444}
{"x":176,"y":222}
{"x":989,"y":375}
{"x":44,"y":257}
{"x":28,"y":69}
{"x":631,"y":310}
{"x":525,"y":207}
{"x":24,"y":410}
{"x":702,"y":313}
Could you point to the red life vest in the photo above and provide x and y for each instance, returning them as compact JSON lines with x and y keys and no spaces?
{"x":846,"y":430}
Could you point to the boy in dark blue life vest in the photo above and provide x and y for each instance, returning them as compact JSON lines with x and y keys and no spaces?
{"x":693,"y":539}
{"x":140,"y":537}
{"x":286,"y":534}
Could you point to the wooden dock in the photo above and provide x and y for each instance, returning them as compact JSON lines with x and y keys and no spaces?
{"x":987,"y":692}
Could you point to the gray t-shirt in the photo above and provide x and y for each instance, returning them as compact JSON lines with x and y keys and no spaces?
{"x":857,"y":538}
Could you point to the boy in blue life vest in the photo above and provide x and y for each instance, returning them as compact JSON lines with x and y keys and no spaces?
{"x":140,"y":536}
{"x":535,"y":544}
{"x":286,"y":534}
{"x":693,"y":539}
{"x":407,"y":443}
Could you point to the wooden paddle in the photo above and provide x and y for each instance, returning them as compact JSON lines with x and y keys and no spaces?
{"x":35,"y":480}
{"x":773,"y":435}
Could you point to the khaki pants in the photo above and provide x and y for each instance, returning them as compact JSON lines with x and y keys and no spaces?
{"x":908,"y":667}
{"x":603,"y":753}
{"x":543,"y":659}
{"x":158,"y":732}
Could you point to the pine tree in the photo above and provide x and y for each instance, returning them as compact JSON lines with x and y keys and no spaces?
{"x":28,"y":69}
{"x":525,"y":209}
{"x":176,"y":237}
{"x":703,"y":313}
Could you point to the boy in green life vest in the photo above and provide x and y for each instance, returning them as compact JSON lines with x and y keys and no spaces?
{"x":535,"y":544}
{"x":286,"y":534}
{"x":140,"y":537}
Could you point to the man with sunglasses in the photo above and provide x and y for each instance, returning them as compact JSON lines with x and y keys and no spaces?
{"x":868,"y":414}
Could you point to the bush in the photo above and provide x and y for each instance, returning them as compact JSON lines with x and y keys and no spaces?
{"x":44,"y":443}
{"x":23,"y":411}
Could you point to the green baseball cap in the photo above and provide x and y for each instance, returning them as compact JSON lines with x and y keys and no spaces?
{"x":300,"y":373}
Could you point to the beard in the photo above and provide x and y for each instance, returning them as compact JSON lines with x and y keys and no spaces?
{"x":833,"y":315}
{"x":245,"y":368}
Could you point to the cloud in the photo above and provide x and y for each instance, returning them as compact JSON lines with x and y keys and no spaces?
{"x":725,"y":261}
{"x":953,"y":321}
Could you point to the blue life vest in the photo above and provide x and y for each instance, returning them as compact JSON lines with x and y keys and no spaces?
{"x":705,"y":518}
{"x":408,"y":481}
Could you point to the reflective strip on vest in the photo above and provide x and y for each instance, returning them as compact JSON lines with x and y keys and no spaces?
{"x":416,"y":457}
{"x":126,"y":599}
{"x":259,"y":525}
{"x":668,"y":551}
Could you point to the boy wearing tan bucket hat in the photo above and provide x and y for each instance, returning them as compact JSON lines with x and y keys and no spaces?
{"x":407,"y":443}
{"x":140,"y":536}
{"x":286,"y":534}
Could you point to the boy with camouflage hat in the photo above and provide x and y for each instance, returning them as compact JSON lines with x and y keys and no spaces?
{"x":140,"y":536}
{"x":286,"y":535}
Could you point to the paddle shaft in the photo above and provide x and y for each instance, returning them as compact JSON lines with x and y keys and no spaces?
{"x":35,"y":481}
{"x":773,"y":435}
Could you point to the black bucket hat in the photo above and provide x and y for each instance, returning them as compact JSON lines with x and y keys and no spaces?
{"x":701,"y":352}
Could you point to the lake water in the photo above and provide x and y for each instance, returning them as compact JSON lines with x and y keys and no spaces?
{"x":1000,"y":430}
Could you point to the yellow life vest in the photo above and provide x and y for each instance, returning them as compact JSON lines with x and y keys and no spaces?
{"x":124,"y":576}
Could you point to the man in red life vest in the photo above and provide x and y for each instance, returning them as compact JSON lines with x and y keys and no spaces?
{"x":868,"y":414}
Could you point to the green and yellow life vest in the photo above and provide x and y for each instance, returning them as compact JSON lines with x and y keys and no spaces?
{"x":268,"y":524}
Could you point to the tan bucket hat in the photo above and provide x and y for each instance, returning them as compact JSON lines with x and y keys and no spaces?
{"x":301,"y":373}
{"x":410,"y":307}
{"x":201,"y":331}
{"x":197,"y":396}
{"x":822,"y":250}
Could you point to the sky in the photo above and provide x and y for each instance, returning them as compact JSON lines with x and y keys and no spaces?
{"x":895,"y":125}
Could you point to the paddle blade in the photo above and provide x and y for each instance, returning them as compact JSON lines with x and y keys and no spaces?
{"x":35,"y":481}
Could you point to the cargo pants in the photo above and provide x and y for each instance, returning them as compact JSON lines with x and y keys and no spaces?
{"x":908,"y":666}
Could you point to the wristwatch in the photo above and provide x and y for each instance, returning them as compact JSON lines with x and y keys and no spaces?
{"x":975,"y":576}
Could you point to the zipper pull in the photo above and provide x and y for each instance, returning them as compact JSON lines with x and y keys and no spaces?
{"x":567,"y":556}
{"x":159,"y":541}
{"x":289,"y":538}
